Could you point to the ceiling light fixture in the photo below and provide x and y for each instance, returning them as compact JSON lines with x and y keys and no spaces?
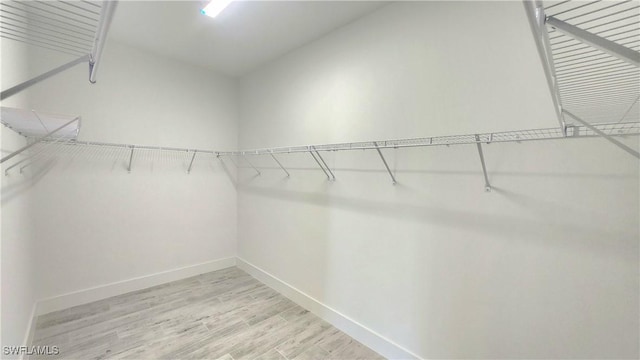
{"x":215,"y":7}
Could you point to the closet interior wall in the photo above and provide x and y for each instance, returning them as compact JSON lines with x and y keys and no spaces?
{"x":97,"y":224}
{"x":434,"y":263}
{"x":17,"y":272}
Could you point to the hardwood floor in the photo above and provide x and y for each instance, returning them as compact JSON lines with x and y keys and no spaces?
{"x":225,"y":314}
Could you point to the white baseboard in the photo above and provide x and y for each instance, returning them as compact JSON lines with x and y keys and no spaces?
{"x":368,"y":337}
{"x":100,"y":292}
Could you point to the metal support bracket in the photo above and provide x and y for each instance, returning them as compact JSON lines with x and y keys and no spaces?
{"x":232,"y":161}
{"x":601,"y":133}
{"x":385,"y":163}
{"x":191,"y":163}
{"x":35,"y":113}
{"x":321,"y":167}
{"x":282,"y":167}
{"x":600,"y":43}
{"x":220,"y":158}
{"x":325,"y":164}
{"x":130,"y":159}
{"x":37,"y":141}
{"x":536,"y":16}
{"x":106,"y":16}
{"x":22,"y":86}
{"x":487,"y":185}
{"x":250,"y":164}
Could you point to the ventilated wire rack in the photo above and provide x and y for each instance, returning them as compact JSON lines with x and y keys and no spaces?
{"x":77,"y":28}
{"x":65,"y":26}
{"x":62,"y":147}
{"x":594,"y":84}
{"x":65,"y":145}
{"x":602,"y":88}
{"x":573,"y":131}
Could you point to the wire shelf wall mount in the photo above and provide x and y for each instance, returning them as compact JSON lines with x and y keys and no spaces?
{"x":77,"y":28}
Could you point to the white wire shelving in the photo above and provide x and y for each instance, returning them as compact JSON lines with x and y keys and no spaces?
{"x":594,"y":81}
{"x":38,"y":128}
{"x":588,"y":51}
{"x":51,"y":146}
{"x":77,"y":28}
{"x":129,"y":154}
{"x":617,"y":129}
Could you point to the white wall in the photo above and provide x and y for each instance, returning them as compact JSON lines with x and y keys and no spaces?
{"x":546,"y":265}
{"x":98,"y":224}
{"x":17,"y":265}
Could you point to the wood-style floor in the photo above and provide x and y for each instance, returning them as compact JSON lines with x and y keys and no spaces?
{"x":225,"y":314}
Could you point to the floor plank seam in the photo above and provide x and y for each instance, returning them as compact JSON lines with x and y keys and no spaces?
{"x":280,"y":352}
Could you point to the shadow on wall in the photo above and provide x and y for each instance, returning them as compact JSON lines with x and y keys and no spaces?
{"x":463,"y":267}
{"x":16,"y":183}
{"x":591,"y":238}
{"x":446,"y":172}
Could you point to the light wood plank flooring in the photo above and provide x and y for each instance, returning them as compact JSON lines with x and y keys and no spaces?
{"x":225,"y":314}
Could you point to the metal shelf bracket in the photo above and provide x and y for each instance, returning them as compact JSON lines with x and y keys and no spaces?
{"x":321,"y":167}
{"x":250,"y":164}
{"x":130,"y":159}
{"x":22,"y":86}
{"x":333,"y":177}
{"x":193,"y":157}
{"x":279,"y":164}
{"x":487,"y":185}
{"x":601,"y":133}
{"x":385,"y":163}
{"x":536,"y":16}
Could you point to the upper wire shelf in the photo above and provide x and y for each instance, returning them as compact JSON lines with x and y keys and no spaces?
{"x":589,"y":52}
{"x":77,"y":28}
{"x":48,"y":147}
{"x":595,"y":84}
{"x":32,"y":124}
{"x":65,"y":26}
{"x":610,"y":129}
{"x":38,"y":127}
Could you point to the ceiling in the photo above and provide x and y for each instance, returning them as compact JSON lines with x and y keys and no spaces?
{"x":244,"y":36}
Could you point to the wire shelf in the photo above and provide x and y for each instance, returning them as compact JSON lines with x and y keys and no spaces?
{"x":63,"y":26}
{"x":77,"y":28}
{"x":34,"y":124}
{"x":573,"y":131}
{"x":592,"y":83}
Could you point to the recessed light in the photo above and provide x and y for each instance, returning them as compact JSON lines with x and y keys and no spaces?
{"x":215,"y":7}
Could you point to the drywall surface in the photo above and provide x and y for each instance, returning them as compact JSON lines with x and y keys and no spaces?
{"x":97,"y":223}
{"x":544,"y":266}
{"x":17,"y":261}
